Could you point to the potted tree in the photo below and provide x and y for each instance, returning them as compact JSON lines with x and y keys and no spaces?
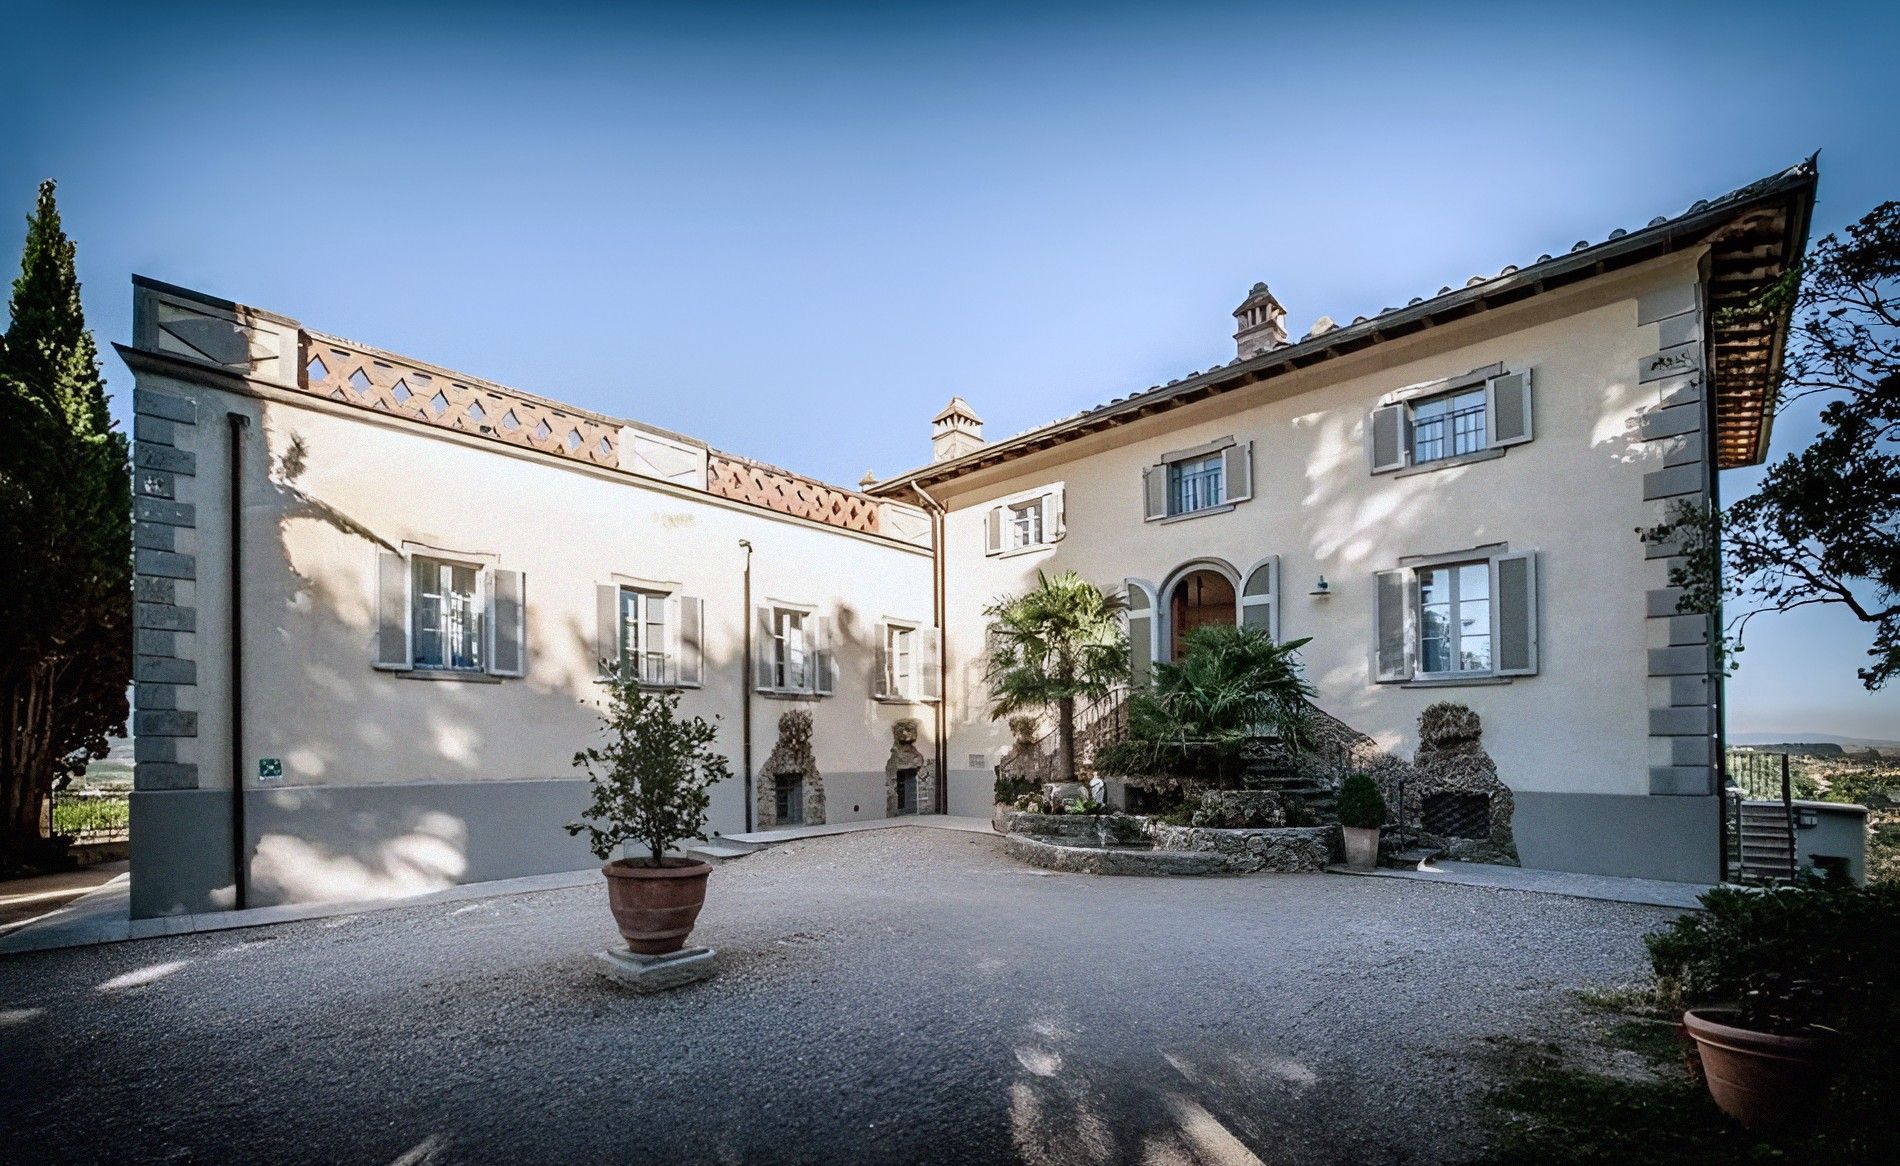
{"x":1361,"y":814}
{"x":650,"y":783}
{"x":1775,"y":985}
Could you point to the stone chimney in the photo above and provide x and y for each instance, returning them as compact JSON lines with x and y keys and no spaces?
{"x":1262,"y":322}
{"x":955,"y":431}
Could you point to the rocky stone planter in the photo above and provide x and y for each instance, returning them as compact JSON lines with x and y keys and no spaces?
{"x":1283,"y":850}
{"x":1119,"y":827}
{"x":1055,"y":854}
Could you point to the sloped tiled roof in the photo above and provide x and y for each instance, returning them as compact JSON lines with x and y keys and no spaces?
{"x":1755,"y":233}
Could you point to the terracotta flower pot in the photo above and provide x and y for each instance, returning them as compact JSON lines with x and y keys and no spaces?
{"x":1761,"y":1079}
{"x":1362,"y":847}
{"x":656,"y":907}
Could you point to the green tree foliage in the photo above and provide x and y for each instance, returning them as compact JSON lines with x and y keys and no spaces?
{"x":1060,"y":642}
{"x":1231,"y":685}
{"x":652,"y":779}
{"x":65,"y":521}
{"x":1824,"y":526}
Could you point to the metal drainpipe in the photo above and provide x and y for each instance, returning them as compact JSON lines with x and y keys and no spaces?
{"x":938,"y":608}
{"x":745,"y":684}
{"x":240,"y":869}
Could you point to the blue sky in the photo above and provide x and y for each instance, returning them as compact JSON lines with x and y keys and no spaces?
{"x":794,"y":231}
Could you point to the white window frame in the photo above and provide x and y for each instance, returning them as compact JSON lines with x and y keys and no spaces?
{"x":1415,"y":596}
{"x":1211,"y":467}
{"x":816,"y":656}
{"x":1002,"y":533}
{"x":1405,"y":403}
{"x":478,"y":604}
{"x":1449,"y":437}
{"x":901,"y":683}
{"x":643,"y":605}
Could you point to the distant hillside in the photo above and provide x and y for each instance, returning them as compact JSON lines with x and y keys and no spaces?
{"x":1825,"y":749}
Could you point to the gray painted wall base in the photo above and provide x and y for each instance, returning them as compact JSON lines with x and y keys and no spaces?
{"x":181,"y":852}
{"x":1673,"y":838}
{"x":327,"y":843}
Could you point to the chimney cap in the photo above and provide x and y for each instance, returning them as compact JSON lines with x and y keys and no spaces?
{"x":958,"y":407}
{"x":1259,"y":294}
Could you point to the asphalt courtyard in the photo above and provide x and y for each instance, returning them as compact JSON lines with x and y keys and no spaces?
{"x":891,"y":996}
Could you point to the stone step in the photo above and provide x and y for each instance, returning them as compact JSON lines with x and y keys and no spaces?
{"x":719,"y":849}
{"x":1415,"y":858}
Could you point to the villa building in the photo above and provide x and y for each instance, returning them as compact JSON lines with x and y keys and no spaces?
{"x":1447,"y":498}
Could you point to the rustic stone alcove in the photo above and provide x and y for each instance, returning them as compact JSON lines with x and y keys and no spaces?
{"x":908,"y":771}
{"x":794,"y":768}
{"x":1453,"y":796}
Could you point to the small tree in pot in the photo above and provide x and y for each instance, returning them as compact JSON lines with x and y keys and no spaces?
{"x":650,"y":786}
{"x":1361,"y":814}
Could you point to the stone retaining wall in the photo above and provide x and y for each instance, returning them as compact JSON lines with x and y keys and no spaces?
{"x":1284,"y":850}
{"x":1121,"y":827}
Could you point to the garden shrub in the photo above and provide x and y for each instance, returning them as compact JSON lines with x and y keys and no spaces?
{"x":1360,"y":803}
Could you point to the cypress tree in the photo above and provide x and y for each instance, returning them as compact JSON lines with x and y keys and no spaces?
{"x":66,"y":526}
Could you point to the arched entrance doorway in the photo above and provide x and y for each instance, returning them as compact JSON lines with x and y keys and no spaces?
{"x":1200,"y":598}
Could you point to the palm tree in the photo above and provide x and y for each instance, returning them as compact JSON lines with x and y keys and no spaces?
{"x":1061,"y":641}
{"x":1231,"y":685}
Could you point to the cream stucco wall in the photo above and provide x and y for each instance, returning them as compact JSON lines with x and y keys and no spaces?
{"x":1574,"y":495}
{"x":324,"y":486}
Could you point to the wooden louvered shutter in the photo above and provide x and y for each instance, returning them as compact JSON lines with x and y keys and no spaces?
{"x":392,"y":611}
{"x":1388,"y":438}
{"x":1393,"y":624}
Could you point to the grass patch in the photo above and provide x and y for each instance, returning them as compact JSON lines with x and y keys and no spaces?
{"x":1582,"y":1105}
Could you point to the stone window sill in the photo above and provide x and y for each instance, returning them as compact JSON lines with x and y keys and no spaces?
{"x":449,"y":674}
{"x":1456,"y":681}
{"x":784,"y":694}
{"x":1031,"y":549}
{"x":1448,"y":463}
{"x":903,"y":700}
{"x":1203,"y":512}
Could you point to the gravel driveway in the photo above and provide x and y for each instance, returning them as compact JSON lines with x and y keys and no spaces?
{"x":888,"y":996}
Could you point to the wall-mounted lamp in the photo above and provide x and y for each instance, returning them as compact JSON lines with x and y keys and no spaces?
{"x":1322,"y":587}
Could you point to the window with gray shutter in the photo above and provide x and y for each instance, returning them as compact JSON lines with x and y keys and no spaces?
{"x":1141,"y":650}
{"x":993,"y":531}
{"x":507,"y":617}
{"x":1509,"y":398}
{"x":607,"y":628}
{"x":930,"y":664}
{"x":1154,"y":492}
{"x":1052,"y":515}
{"x":1260,"y":597}
{"x":690,"y":666}
{"x":1388,"y":438}
{"x":824,"y":666}
{"x":1238,"y":472}
{"x":765,"y":650}
{"x":1393,"y":622}
{"x":392,"y":611}
{"x":1516,"y":590}
{"x":883,"y":668}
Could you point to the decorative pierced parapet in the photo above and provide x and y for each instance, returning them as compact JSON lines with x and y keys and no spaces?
{"x":368,"y":379}
{"x":775,"y":489}
{"x":261,"y":346}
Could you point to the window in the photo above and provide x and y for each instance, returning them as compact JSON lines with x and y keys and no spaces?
{"x":794,"y":656}
{"x":1454,"y":619}
{"x":1194,"y":485}
{"x":790,"y":659}
{"x":643,"y":641}
{"x":1025,"y":525}
{"x":788,"y":799}
{"x":908,"y":662}
{"x":1458,"y":617}
{"x":1448,"y":426}
{"x":447,"y":615}
{"x":649,"y":631}
{"x":1478,"y":415}
{"x":1207,"y":479}
{"x":1024,"y":522}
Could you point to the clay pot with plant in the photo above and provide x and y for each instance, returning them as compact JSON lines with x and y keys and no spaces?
{"x":1361,"y":814}
{"x":650,"y":787}
{"x":1778,"y":986}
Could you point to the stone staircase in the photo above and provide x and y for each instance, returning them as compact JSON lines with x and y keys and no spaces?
{"x":1265,"y":767}
{"x":1767,"y":853}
